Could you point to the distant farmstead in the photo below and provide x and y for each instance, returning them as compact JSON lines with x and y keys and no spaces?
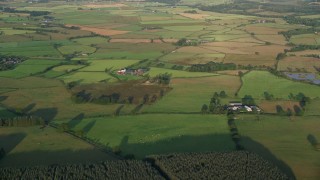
{"x":136,"y":72}
{"x":239,"y":106}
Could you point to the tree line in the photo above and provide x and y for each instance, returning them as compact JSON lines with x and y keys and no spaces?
{"x":212,"y":66}
{"x":32,"y":13}
{"x":21,"y":121}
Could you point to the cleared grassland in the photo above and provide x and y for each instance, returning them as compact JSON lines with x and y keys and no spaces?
{"x":36,"y":51}
{"x":313,"y":108}
{"x":101,"y":31}
{"x":132,"y":51}
{"x":309,"y":39}
{"x":132,"y":40}
{"x":185,"y":28}
{"x":186,"y":58}
{"x":286,"y":139}
{"x":264,"y":30}
{"x":189,"y":94}
{"x":67,"y":68}
{"x":70,"y":49}
{"x":255,"y":60}
{"x":256,"y":83}
{"x":31,"y":146}
{"x":27,"y":83}
{"x":91,"y":40}
{"x":224,"y":37}
{"x":10,"y":31}
{"x":270,"y":106}
{"x":303,"y":53}
{"x":294,"y":63}
{"x":28,"y":68}
{"x":51,"y":102}
{"x":178,"y":73}
{"x":101,"y":65}
{"x":88,"y":77}
{"x":143,"y":135}
{"x":274,"y":39}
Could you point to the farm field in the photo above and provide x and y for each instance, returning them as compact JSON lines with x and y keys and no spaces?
{"x":185,"y":62}
{"x":299,"y":63}
{"x":182,"y":97}
{"x":275,"y":134}
{"x":149,"y":134}
{"x":34,"y":146}
{"x":256,"y":83}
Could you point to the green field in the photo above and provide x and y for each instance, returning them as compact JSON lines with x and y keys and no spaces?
{"x":286,"y":139}
{"x":91,"y":40}
{"x":70,"y":49}
{"x":150,"y":134}
{"x":102,"y":65}
{"x":29,"y":67}
{"x":309,"y":39}
{"x":87,"y":77}
{"x":80,"y":45}
{"x":256,"y":83}
{"x":177,"y":73}
{"x":34,"y":146}
{"x":189,"y":94}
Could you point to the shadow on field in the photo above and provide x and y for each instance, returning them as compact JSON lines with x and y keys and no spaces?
{"x":183,"y":143}
{"x":203,"y":143}
{"x":9,"y":142}
{"x":47,"y":114}
{"x":76,"y":120}
{"x":28,"y":108}
{"x":253,"y":146}
{"x":89,"y":126}
{"x":2,"y":98}
{"x":40,"y":157}
{"x":312,"y":139}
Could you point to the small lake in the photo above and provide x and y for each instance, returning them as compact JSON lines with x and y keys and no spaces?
{"x":310,"y":77}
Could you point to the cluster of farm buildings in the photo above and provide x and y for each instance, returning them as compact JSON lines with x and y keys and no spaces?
{"x":238,"y":106}
{"x":136,"y":72}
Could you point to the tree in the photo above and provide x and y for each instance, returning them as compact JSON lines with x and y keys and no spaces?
{"x":298,"y":111}
{"x":279,"y":110}
{"x":289,"y":112}
{"x":204,"y":109}
{"x":268,"y":96}
{"x":223,"y":94}
{"x":2,"y":153}
{"x":145,"y":98}
{"x":248,"y":100}
{"x":130,"y":99}
{"x":240,"y":73}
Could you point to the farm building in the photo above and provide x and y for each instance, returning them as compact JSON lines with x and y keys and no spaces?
{"x":136,"y":72}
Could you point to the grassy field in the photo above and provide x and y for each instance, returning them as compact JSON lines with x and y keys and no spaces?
{"x":296,"y":63}
{"x":286,"y":139}
{"x":256,"y":83}
{"x":309,"y":39}
{"x":143,"y":135}
{"x":102,"y":65}
{"x":31,"y":146}
{"x":87,"y":77}
{"x":177,"y":73}
{"x":70,"y":49}
{"x":91,"y":40}
{"x":189,"y":94}
{"x":87,"y":38}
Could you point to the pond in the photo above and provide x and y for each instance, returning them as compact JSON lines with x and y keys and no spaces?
{"x":309,"y":77}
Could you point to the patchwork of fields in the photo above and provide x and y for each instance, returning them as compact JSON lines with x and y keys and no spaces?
{"x":74,"y":54}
